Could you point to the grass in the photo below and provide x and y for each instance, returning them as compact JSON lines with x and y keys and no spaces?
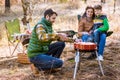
{"x":65,"y":19}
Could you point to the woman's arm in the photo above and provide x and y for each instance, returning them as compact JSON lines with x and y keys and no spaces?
{"x":80,"y":27}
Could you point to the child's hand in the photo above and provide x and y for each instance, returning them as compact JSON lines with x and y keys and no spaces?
{"x":95,"y":30}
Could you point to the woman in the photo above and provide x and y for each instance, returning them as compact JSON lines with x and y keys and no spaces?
{"x":85,"y":25}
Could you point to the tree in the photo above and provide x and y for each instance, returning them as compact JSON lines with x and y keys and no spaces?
{"x":103,"y":1}
{"x":7,"y":6}
{"x":114,"y":6}
{"x":26,"y":7}
{"x":85,"y":1}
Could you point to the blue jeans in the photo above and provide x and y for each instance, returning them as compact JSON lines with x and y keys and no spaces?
{"x":100,"y":40}
{"x":49,"y":60}
{"x":87,"y":38}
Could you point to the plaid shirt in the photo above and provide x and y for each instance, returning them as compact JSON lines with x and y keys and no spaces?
{"x":43,"y":36}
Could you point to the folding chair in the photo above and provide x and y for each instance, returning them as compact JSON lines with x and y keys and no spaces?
{"x":12,"y":28}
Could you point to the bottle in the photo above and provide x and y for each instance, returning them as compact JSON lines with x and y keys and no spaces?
{"x":28,"y":31}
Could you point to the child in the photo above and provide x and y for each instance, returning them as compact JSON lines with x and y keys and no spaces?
{"x":100,"y":28}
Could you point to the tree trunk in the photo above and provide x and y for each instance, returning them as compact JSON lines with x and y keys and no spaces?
{"x":114,"y":6}
{"x":103,"y":1}
{"x":7,"y":6}
{"x":25,"y":6}
{"x":85,"y":1}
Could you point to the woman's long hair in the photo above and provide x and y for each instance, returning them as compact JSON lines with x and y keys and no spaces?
{"x":88,"y":7}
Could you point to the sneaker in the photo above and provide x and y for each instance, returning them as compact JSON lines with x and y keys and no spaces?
{"x":35,"y":71}
{"x":100,"y":57}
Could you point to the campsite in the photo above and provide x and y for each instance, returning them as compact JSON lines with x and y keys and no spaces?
{"x":11,"y":69}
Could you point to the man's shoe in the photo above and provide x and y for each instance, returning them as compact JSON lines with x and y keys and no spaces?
{"x":92,"y":56}
{"x":100,"y":57}
{"x":35,"y":71}
{"x":57,"y":69}
{"x":53,"y":70}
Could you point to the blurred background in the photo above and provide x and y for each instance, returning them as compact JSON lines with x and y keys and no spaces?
{"x":32,"y":10}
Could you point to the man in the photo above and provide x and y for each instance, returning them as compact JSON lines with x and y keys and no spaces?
{"x":43,"y":54}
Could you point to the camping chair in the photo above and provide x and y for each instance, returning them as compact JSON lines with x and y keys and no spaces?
{"x":83,"y":47}
{"x":12,"y":28}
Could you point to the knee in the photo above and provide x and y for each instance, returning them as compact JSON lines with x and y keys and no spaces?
{"x":62,"y":44}
{"x":59,"y":63}
{"x":97,"y":31}
{"x":84,"y":37}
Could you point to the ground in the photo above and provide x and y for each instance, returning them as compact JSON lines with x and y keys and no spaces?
{"x":10,"y":69}
{"x":89,"y":69}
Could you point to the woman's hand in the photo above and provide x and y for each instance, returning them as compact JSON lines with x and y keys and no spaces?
{"x":78,"y":40}
{"x":85,"y":33}
{"x":90,"y":32}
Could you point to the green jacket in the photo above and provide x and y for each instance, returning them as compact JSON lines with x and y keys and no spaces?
{"x":102,"y":23}
{"x":36,"y":46}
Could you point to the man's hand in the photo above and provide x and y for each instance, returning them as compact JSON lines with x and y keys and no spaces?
{"x":28,"y":31}
{"x":63,"y":36}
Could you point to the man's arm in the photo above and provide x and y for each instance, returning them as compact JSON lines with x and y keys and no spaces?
{"x":43,"y":36}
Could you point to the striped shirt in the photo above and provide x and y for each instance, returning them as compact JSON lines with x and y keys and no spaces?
{"x":43,"y":36}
